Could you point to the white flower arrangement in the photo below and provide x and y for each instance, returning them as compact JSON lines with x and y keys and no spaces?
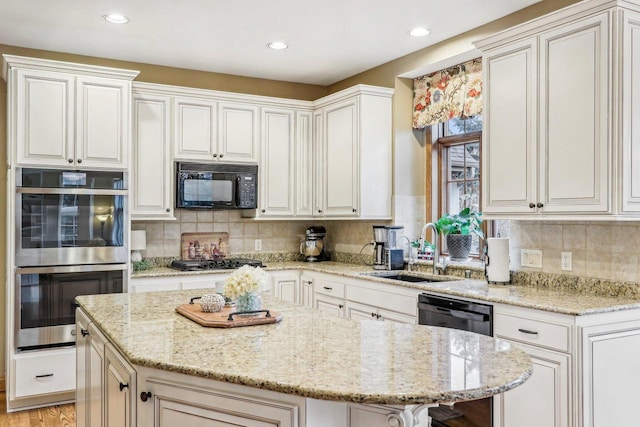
{"x":245,"y":280}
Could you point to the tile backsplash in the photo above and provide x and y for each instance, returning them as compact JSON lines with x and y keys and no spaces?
{"x":163,"y":237}
{"x":606,"y":250}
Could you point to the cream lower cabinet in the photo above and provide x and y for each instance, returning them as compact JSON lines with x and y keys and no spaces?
{"x":179,"y":400}
{"x":610,"y":367}
{"x":90,"y":373}
{"x":119,"y":390}
{"x":546,"y":398}
{"x":175,"y":283}
{"x":286,"y":285}
{"x":306,"y":290}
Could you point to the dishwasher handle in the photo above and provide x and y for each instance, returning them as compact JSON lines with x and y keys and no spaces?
{"x":460,"y":314}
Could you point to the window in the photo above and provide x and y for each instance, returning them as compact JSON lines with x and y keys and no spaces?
{"x":459,"y":149}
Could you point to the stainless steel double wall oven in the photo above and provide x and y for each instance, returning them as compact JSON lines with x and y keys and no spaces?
{"x":71,"y":239}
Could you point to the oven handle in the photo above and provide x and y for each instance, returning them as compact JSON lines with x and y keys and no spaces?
{"x":466,"y":315}
{"x":71,"y":268}
{"x":73,"y":191}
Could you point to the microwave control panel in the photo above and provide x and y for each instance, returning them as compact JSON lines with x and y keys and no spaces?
{"x":247,"y":192}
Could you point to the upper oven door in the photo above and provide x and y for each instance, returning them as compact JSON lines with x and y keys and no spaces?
{"x":200,"y":189}
{"x":69,"y":218}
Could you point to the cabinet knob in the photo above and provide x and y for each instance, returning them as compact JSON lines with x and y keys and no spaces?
{"x":532,"y":205}
{"x":145,"y":395}
{"x":539,"y":205}
{"x":168,"y":210}
{"x":84,"y":332}
{"x":123,"y":386}
{"x":263,"y":211}
{"x":221,"y":155}
{"x":79,"y":160}
{"x":340,"y":305}
{"x":70,"y":160}
{"x":319,"y":210}
{"x":215,"y":155}
{"x":373,"y":315}
{"x":355,"y":210}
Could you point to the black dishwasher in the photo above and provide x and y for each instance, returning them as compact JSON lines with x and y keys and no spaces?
{"x":467,"y":316}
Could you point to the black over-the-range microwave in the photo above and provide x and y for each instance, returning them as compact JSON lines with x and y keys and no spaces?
{"x":216,"y":186}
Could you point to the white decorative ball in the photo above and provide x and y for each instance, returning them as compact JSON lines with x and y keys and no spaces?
{"x":210,"y":303}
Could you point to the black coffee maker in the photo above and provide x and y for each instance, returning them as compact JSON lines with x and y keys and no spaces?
{"x":312,"y":247}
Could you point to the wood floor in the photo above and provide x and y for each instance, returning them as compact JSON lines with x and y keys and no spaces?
{"x":52,"y":416}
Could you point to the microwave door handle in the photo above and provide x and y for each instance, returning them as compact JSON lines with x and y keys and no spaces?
{"x":236,"y":195}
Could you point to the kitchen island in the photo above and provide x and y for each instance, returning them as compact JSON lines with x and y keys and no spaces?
{"x":310,"y":369}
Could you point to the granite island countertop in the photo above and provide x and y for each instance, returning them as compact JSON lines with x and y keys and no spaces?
{"x":570,"y":295}
{"x":310,"y":353}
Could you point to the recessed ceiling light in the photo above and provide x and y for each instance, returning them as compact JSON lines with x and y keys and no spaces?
{"x":419,"y":32}
{"x":115,"y":18}
{"x":278,"y":45}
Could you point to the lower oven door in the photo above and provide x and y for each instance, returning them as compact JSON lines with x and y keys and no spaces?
{"x":45,"y":300}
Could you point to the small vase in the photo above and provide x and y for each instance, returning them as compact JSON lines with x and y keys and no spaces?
{"x":249,"y":302}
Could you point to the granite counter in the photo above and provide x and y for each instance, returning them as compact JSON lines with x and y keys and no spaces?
{"x":564,"y":294}
{"x":310,"y":353}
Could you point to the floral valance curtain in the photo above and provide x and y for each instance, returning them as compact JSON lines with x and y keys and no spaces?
{"x":447,"y":94}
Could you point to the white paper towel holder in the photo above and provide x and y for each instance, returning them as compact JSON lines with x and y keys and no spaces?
{"x":487,"y":261}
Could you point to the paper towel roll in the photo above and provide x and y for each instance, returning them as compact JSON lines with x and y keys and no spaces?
{"x":497,"y":263}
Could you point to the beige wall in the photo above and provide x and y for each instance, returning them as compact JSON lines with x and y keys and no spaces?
{"x":406,"y":181}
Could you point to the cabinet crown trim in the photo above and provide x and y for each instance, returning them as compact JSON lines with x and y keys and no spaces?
{"x":13,"y":61}
{"x":353,"y":91}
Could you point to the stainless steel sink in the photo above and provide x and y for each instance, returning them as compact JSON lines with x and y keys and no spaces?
{"x":403,"y":277}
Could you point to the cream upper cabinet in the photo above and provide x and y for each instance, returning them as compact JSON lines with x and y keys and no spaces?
{"x":353,"y":154}
{"x":195,"y":128}
{"x":630,"y":117}
{"x":304,"y":164}
{"x":277,"y":171}
{"x":151,"y":174}
{"x":547,"y":147}
{"x":67,"y":115}
{"x":238,"y":132}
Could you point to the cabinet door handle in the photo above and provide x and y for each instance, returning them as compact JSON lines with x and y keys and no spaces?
{"x":79,"y":160}
{"x":355,"y":210}
{"x":44,"y":375}
{"x":319,"y":210}
{"x":340,"y":305}
{"x":373,"y":315}
{"x":263,"y":210}
{"x":539,"y":205}
{"x":532,"y":205}
{"x":378,"y":315}
{"x":145,"y":395}
{"x":526,"y":331}
{"x":221,"y":155}
{"x":70,"y":160}
{"x":84,"y":332}
{"x":123,"y":386}
{"x":215,"y":155}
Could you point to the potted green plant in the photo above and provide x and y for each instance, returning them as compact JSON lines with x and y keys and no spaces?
{"x":457,"y":229}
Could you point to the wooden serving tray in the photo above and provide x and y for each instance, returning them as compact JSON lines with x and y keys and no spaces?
{"x":226,"y":318}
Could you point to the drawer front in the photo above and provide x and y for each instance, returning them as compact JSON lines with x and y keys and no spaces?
{"x":45,"y":372}
{"x":330,"y":288}
{"x":385,"y":300}
{"x":535,"y":332}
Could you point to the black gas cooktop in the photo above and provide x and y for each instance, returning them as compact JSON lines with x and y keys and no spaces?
{"x":214,"y":264}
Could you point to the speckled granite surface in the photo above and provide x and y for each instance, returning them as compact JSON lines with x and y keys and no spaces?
{"x":310,"y":353}
{"x":555,"y":293}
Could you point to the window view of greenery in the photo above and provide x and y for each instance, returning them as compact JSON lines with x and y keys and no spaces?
{"x":461,"y":169}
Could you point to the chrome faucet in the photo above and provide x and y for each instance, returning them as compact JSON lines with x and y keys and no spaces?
{"x":410,"y":261}
{"x":436,"y":242}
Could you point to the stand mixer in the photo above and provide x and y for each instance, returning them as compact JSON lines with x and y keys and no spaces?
{"x":313,"y":245}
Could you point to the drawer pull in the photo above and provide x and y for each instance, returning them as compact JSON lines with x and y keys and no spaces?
{"x":526,"y":331}
{"x":145,"y":395}
{"x":44,"y":375}
{"x":123,"y":386}
{"x":84,"y":332}
{"x":327,"y":288}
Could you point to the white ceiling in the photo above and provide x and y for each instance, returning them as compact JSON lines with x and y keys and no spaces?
{"x":329,"y":40}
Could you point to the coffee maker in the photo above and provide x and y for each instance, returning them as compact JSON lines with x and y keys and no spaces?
{"x":312,"y":247}
{"x":387,"y":252}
